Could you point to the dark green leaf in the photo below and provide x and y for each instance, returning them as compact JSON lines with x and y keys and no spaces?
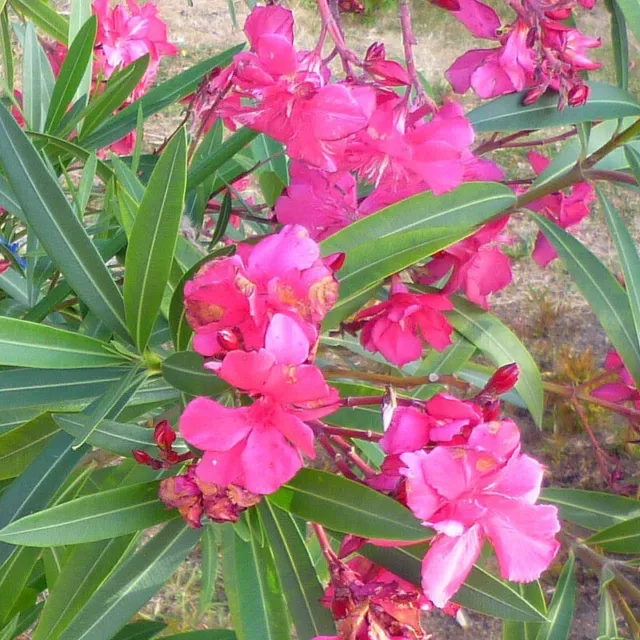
{"x":141,"y":630}
{"x":620,"y":43}
{"x":253,"y":589}
{"x":209,"y":634}
{"x":6,"y":48}
{"x":44,"y":16}
{"x":271,"y":186}
{"x":604,"y":293}
{"x":466,"y":207}
{"x":623,"y":537}
{"x":59,"y":230}
{"x":37,"y":80}
{"x":90,"y":518}
{"x":72,"y":72}
{"x":631,"y":12}
{"x":155,"y":100}
{"x":153,"y":240}
{"x":209,"y":550}
{"x":534,"y":594}
{"x":131,"y":584}
{"x":562,"y":605}
{"x":507,"y":113}
{"x":223,"y":219}
{"x":185,"y":371}
{"x":301,"y":587}
{"x":348,"y":506}
{"x":28,"y":344}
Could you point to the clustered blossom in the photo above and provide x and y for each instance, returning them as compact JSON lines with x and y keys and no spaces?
{"x":565,"y":210}
{"x":535,"y":53}
{"x":258,"y":313}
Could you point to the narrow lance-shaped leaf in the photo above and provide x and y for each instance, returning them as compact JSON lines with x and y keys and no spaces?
{"x":562,"y":605}
{"x":59,"y":230}
{"x":91,"y":518}
{"x":141,"y":630}
{"x":209,"y":549}
{"x":132,"y":584}
{"x":604,"y":293}
{"x":28,"y":344}
{"x":300,"y":584}
{"x":631,"y":12}
{"x":347,"y":506}
{"x":45,"y":17}
{"x":6,"y":48}
{"x":80,"y":14}
{"x":35,"y":96}
{"x":623,"y":537}
{"x":620,"y":43}
{"x":185,"y":371}
{"x":253,"y":589}
{"x":72,"y":72}
{"x":153,"y":240}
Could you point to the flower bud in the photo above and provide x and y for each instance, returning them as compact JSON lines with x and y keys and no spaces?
{"x":449,"y":5}
{"x":578,"y":95}
{"x":164,"y":435}
{"x":228,"y":340}
{"x":375,"y":52}
{"x":533,"y":95}
{"x":335,"y":261}
{"x":503,"y":380}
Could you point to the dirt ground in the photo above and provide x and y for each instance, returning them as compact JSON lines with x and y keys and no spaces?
{"x":542,"y":306}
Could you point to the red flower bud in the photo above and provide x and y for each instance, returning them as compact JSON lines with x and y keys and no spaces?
{"x":578,"y":95}
{"x":228,"y":340}
{"x":142,"y":457}
{"x":533,"y":95}
{"x":503,"y":380}
{"x":375,"y":52}
{"x":164,"y":435}
{"x":335,"y":261}
{"x":449,"y":5}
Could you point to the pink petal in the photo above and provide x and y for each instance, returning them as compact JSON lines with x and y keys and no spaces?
{"x":447,"y":407}
{"x":209,"y":426}
{"x":296,"y":432}
{"x":543,"y":252}
{"x":460,"y":72}
{"x":447,"y":564}
{"x":277,"y":54}
{"x":221,"y":468}
{"x":292,"y":248}
{"x":538,"y":162}
{"x":286,"y":340}
{"x":422,"y":499}
{"x":268,"y":20}
{"x":247,"y":370}
{"x":499,"y":438}
{"x":614,"y":392}
{"x":268,"y":460}
{"x":523,"y":536}
{"x":522,"y":479}
{"x":480,"y":19}
{"x":409,"y":431}
{"x":396,"y":345}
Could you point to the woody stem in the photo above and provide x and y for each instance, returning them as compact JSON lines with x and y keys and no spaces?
{"x":350,"y":452}
{"x":325,"y":546}
{"x":600,"y":454}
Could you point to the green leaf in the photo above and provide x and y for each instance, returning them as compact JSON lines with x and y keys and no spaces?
{"x":534,"y":594}
{"x":629,"y":257}
{"x":223,"y":219}
{"x":623,"y":537}
{"x":253,"y":589}
{"x":271,"y":186}
{"x":347,"y":506}
{"x":153,"y":240}
{"x":29,"y":344}
{"x":226,"y":151}
{"x":591,"y":509}
{"x":633,"y":159}
{"x":6,"y":48}
{"x":44,"y":16}
{"x":466,"y":207}
{"x":71,"y":74}
{"x":90,"y":518}
{"x":67,"y":389}
{"x":562,"y":605}
{"x":180,"y":329}
{"x":185,"y":371}
{"x":38,"y":484}
{"x":8,"y":632}
{"x":604,"y":293}
{"x":132,"y":584}
{"x":480,"y":592}
{"x":14,"y":578}
{"x":80,"y":15}
{"x":631,"y":11}
{"x":37,"y":79}
{"x":109,"y":435}
{"x":141,"y":630}
{"x":209,"y":634}
{"x":118,"y":88}
{"x":619,"y":42}
{"x":155,"y":100}
{"x":368,"y":264}
{"x":503,"y":347}
{"x":209,"y":550}
{"x":507,"y":113}
{"x":19,"y":447}
{"x":265,"y":148}
{"x":298,"y":577}
{"x":59,"y":230}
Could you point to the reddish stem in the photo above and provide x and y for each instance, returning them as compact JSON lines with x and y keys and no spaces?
{"x":341,"y":465}
{"x":350,"y":451}
{"x":346,"y":433}
{"x":325,"y":546}
{"x":600,"y":453}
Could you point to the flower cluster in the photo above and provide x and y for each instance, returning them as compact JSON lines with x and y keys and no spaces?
{"x":258,"y":313}
{"x":538,"y":51}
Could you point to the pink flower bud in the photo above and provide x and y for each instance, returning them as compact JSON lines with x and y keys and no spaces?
{"x":578,"y":95}
{"x":335,"y":261}
{"x":142,"y":457}
{"x":164,"y":436}
{"x":228,"y":340}
{"x":533,"y":95}
{"x":503,"y":380}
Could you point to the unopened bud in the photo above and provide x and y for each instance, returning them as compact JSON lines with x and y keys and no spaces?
{"x":335,"y":261}
{"x":578,"y":95}
{"x":142,"y":457}
{"x":375,"y":52}
{"x":449,"y":5}
{"x":164,"y":435}
{"x":533,"y":95}
{"x":228,"y":340}
{"x":503,"y":380}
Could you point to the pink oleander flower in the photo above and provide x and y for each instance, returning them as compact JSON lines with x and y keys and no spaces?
{"x":398,"y":327}
{"x":321,"y":202}
{"x":621,"y":391}
{"x":485,"y":490}
{"x":444,"y":419}
{"x":401,"y":152}
{"x":4,"y":265}
{"x":259,"y":447}
{"x":282,"y":273}
{"x":565,"y":209}
{"x":388,"y":72}
{"x":126,"y":33}
{"x":475,"y":265}
{"x":286,"y":93}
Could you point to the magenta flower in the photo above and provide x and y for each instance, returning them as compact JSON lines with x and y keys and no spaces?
{"x":398,"y":327}
{"x":622,"y":390}
{"x":566,"y":210}
{"x":126,"y":33}
{"x":486,"y":489}
{"x":283,"y":273}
